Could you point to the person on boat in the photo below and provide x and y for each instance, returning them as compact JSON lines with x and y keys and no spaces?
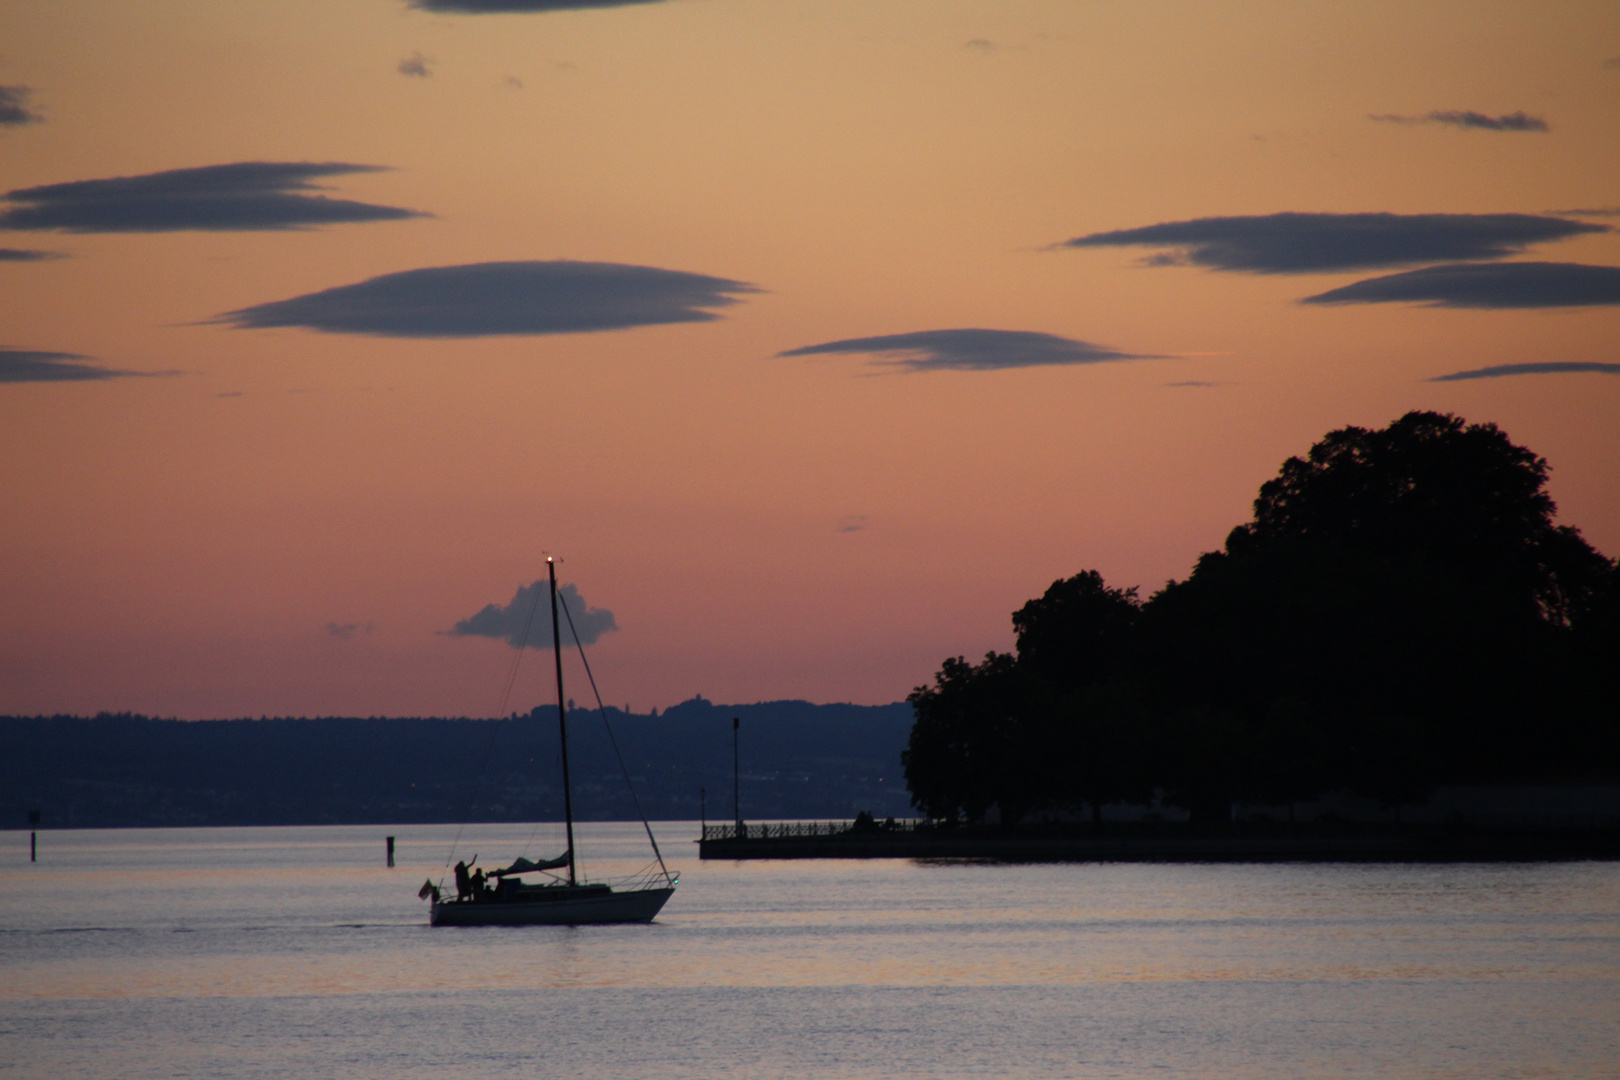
{"x":463,"y":881}
{"x":479,"y":891}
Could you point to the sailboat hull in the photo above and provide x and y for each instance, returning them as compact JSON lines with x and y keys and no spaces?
{"x":561,"y":909}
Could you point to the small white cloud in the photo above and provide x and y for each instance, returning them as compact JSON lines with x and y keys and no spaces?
{"x":527,"y":618}
{"x":417,"y":66}
{"x":14,"y":110}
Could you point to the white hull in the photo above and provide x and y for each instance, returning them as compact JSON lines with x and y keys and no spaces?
{"x":559,"y":909}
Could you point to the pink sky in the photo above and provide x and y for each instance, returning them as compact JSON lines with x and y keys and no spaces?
{"x":284,"y":519}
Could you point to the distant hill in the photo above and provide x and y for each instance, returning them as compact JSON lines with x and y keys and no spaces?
{"x":798,"y":760}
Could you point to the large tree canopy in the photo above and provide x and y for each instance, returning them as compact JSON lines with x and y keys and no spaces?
{"x":1402,"y":610}
{"x":1434,"y":487}
{"x":1075,"y":634}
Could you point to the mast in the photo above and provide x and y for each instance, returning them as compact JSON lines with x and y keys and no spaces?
{"x":562,"y":718}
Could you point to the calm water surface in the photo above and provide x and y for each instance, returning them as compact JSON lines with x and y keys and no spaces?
{"x":293,"y":952}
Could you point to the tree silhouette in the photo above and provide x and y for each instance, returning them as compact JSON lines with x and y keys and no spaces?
{"x":1076,"y":632}
{"x":1088,"y":733}
{"x":1410,"y":578}
{"x":962,"y":757}
{"x":1432,"y":486}
{"x":1402,"y":610}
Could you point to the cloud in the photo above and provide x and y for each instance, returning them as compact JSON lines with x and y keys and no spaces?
{"x":1468,"y":118}
{"x":25,"y":255}
{"x":971,"y":350}
{"x":346,"y":631}
{"x":417,"y":66}
{"x":1556,"y":367}
{"x":24,"y":365}
{"x":494,"y":7}
{"x":1591,"y":211}
{"x":1487,"y":285}
{"x":1194,"y":382}
{"x":1290,"y":243}
{"x":1612,"y":63}
{"x":247,"y":195}
{"x":979,"y":44}
{"x":14,"y":110}
{"x":530,"y":610}
{"x":851,"y":523}
{"x":483,"y":299}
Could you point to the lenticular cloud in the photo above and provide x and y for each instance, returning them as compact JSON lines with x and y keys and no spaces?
{"x":1291,"y":243}
{"x":29,"y":365}
{"x":1552,"y":367}
{"x":970,"y":350}
{"x":487,"y":299}
{"x":246,"y":196}
{"x":1486,"y":285}
{"x":1469,"y":119}
{"x":498,"y":7}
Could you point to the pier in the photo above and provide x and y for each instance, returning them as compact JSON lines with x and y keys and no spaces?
{"x":1157,"y":842}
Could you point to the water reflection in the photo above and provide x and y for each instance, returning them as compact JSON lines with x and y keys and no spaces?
{"x":1228,"y":956}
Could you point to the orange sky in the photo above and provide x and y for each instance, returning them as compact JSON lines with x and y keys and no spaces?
{"x":289,"y":522}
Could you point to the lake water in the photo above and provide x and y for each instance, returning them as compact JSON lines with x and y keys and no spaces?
{"x":293,"y":952}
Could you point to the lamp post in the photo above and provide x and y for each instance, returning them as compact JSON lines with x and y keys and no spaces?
{"x":736,"y":777}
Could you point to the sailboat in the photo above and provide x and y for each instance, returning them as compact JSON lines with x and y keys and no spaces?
{"x":560,"y":901}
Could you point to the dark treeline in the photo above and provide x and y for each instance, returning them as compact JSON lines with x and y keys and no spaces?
{"x":1401,"y":612}
{"x":798,"y":760}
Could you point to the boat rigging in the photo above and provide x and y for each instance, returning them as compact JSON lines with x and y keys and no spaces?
{"x":511,"y":901}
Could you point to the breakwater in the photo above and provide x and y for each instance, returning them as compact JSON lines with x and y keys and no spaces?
{"x":1159,"y":842}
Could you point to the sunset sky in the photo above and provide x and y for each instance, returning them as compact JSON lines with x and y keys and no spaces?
{"x":812,"y":336}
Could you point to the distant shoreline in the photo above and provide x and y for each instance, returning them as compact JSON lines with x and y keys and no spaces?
{"x":797,"y":760}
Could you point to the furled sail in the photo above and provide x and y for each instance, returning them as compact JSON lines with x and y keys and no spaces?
{"x":523,"y":866}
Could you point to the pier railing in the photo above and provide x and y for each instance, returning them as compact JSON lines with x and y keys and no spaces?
{"x":782,"y":830}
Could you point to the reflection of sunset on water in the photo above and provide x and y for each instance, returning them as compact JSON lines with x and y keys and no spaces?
{"x":235,"y":952}
{"x":231,"y":914}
